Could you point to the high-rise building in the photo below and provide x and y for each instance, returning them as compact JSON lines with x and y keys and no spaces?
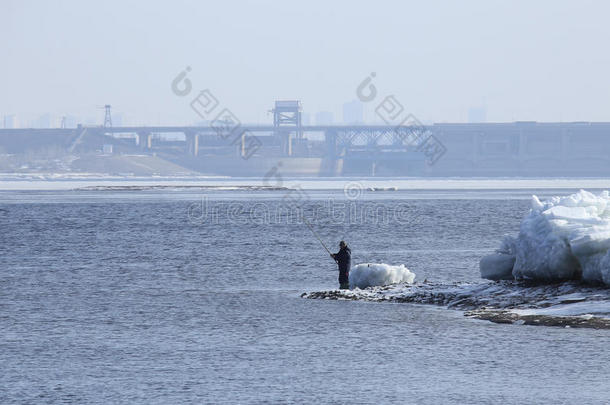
{"x":72,"y":121}
{"x":324,"y":118}
{"x":11,"y":121}
{"x":43,"y":121}
{"x":353,"y":112}
{"x":477,"y":114}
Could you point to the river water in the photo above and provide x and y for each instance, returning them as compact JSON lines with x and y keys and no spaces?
{"x":193,"y":296}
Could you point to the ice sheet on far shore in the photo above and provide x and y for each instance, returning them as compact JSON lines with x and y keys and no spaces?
{"x":562,"y":238}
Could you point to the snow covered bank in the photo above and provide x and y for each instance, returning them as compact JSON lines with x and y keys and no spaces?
{"x":378,"y":274}
{"x":561,"y":238}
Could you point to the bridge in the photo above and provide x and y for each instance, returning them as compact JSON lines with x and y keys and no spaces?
{"x":251,"y":139}
{"x":443,"y":149}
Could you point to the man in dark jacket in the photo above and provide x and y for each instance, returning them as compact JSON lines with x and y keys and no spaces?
{"x":344,"y":260}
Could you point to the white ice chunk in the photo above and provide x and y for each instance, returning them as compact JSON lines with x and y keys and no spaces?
{"x":565,"y":237}
{"x":376,"y":274}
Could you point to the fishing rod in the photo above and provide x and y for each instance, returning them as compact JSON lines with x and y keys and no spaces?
{"x":316,"y":235}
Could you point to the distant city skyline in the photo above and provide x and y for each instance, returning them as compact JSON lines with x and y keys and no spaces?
{"x":352,"y":113}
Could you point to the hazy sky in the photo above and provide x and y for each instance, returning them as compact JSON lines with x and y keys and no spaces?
{"x":522,"y":60}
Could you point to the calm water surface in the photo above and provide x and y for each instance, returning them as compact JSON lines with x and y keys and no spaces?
{"x":189,"y":297}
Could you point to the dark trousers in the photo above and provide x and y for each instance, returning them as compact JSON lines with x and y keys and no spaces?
{"x":343,"y":280}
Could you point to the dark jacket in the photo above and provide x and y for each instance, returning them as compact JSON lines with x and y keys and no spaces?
{"x":344,"y":260}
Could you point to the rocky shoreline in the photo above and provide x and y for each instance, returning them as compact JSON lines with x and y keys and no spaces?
{"x":508,"y":302}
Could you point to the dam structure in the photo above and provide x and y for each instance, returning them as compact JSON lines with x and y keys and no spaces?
{"x":523,"y":149}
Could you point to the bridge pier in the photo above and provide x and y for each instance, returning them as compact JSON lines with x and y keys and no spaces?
{"x":286,"y":139}
{"x":242,"y":145}
{"x":331,"y":144}
{"x":192,"y":143}
{"x":145,"y":140}
{"x":332,"y":165}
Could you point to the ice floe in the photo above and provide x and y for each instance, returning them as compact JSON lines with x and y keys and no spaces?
{"x":562,"y":238}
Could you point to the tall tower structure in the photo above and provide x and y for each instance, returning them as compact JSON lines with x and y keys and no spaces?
{"x":107,"y":116}
{"x":287,"y":120}
{"x":287,"y":112}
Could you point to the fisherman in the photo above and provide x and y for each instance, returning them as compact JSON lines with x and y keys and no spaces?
{"x":344,"y":260}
